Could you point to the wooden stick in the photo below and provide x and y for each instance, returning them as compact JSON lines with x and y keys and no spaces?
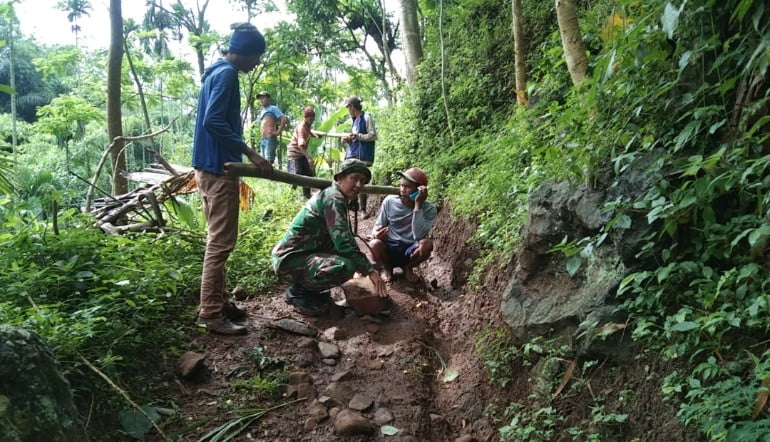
{"x":330,"y":134}
{"x":125,"y":396}
{"x":246,"y":169}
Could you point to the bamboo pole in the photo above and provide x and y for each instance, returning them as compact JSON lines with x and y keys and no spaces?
{"x":246,"y":169}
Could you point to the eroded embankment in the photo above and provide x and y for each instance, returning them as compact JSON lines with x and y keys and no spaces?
{"x":407,"y":369}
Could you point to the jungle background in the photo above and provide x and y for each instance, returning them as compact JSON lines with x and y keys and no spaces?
{"x":587,"y":93}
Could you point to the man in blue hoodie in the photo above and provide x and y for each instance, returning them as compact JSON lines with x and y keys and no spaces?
{"x":219,"y":139}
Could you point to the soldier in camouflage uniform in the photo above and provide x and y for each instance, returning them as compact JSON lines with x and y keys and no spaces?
{"x":319,"y":251}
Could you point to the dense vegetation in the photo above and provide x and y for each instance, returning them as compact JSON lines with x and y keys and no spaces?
{"x":678,"y":92}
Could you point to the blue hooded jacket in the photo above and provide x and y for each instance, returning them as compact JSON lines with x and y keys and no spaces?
{"x":218,"y":134}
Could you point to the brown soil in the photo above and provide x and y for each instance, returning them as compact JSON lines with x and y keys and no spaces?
{"x":397,"y":359}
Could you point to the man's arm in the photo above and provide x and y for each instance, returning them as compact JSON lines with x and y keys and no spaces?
{"x":215,"y":113}
{"x":423,"y":218}
{"x":282,"y":122}
{"x":343,"y":240}
{"x":380,"y":222}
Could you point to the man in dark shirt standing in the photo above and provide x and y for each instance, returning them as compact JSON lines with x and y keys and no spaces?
{"x":219,"y":139}
{"x":360,"y":140}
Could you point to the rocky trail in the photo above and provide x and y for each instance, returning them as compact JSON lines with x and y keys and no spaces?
{"x":415,"y":372}
{"x":401,"y":375}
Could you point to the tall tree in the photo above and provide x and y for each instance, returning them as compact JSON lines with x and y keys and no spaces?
{"x":519,"y":58}
{"x":345,"y":27}
{"x":572,"y":40}
{"x":114,"y":115}
{"x":412,"y":40}
{"x":194,"y":21}
{"x":75,"y":9}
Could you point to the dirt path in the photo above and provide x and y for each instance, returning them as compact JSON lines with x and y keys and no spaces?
{"x":397,"y":369}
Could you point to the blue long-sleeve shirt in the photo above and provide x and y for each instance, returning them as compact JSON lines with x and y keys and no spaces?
{"x":218,"y":134}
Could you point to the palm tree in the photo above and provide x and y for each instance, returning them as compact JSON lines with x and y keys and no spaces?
{"x":75,"y":10}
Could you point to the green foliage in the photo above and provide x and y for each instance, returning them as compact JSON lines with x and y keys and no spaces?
{"x":260,"y":229}
{"x":704,"y":298}
{"x":114,"y":300}
{"x":539,"y":425}
{"x":498,"y":354}
{"x":31,"y":87}
{"x":106,"y":298}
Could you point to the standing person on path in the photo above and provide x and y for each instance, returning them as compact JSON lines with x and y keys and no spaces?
{"x":319,"y":251}
{"x":273,"y":121}
{"x":361,"y":139}
{"x":219,"y":139}
{"x":299,"y":160}
{"x":404,"y":221}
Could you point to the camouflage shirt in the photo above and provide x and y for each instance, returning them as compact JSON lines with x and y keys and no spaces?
{"x":322,"y":226}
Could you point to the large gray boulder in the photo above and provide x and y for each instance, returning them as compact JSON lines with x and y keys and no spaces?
{"x":35,"y":399}
{"x":541,"y":296}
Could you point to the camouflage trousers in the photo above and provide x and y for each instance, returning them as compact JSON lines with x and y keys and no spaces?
{"x":316,"y":271}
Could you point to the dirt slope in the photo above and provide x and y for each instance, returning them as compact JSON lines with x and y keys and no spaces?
{"x":394,"y":359}
{"x":413,"y":369}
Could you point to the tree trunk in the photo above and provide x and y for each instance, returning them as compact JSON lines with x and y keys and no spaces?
{"x":114,"y":117}
{"x":12,"y":78}
{"x":411,"y":38}
{"x":520,"y":61}
{"x":386,"y":49}
{"x":572,"y":40}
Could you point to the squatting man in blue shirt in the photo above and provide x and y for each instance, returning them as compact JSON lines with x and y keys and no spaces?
{"x":219,"y":139}
{"x":404,"y":221}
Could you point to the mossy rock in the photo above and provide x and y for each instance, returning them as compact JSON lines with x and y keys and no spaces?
{"x":35,"y":399}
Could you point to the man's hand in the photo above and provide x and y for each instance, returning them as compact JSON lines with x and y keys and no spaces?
{"x":382,"y":233}
{"x":423,"y":195}
{"x":416,"y":253}
{"x":264,"y":168}
{"x":379,"y":284}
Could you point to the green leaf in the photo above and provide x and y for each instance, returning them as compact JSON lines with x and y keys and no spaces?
{"x":136,"y":424}
{"x":573,"y":264}
{"x":624,"y":222}
{"x":389,"y":430}
{"x":670,"y":20}
{"x":684,"y":326}
{"x":450,"y":375}
{"x":758,"y":234}
{"x":183,"y":211}
{"x":7,"y":89}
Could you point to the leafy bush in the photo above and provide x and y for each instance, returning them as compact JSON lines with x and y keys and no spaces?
{"x":119,"y":301}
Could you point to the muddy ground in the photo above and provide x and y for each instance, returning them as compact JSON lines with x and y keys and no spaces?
{"x":413,"y":369}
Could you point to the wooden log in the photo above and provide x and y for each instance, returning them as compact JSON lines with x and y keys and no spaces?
{"x":136,"y":227}
{"x":331,"y":134}
{"x":248,"y":169}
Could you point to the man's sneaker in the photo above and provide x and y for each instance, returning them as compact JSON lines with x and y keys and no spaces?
{"x":233,"y":311}
{"x":221,"y":325}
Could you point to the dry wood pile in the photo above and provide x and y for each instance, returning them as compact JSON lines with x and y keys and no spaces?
{"x":140,"y":209}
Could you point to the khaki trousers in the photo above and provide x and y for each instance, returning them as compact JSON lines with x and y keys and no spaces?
{"x":220,"y":198}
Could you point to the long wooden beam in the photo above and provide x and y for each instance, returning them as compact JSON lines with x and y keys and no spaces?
{"x":247,"y":169}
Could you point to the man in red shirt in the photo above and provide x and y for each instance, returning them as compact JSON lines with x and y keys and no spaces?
{"x":300,"y":161}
